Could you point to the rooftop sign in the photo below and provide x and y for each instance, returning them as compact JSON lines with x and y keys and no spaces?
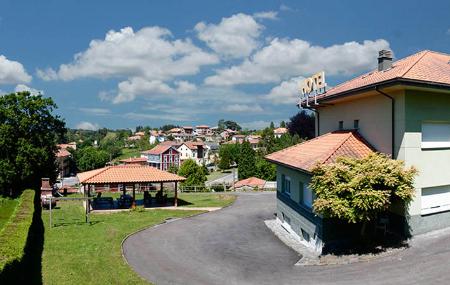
{"x":311,"y":87}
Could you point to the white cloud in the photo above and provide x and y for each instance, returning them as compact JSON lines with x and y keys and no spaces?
{"x":23,"y":87}
{"x":12,"y":72}
{"x":128,"y":90}
{"x":284,"y":58}
{"x":284,"y":7}
{"x":95,"y":111}
{"x":287,"y":92}
{"x":269,"y":15}
{"x":241,"y":108}
{"x":149,"y":53}
{"x":233,"y":37}
{"x":165,"y":117}
{"x":255,"y":125}
{"x":87,"y":126}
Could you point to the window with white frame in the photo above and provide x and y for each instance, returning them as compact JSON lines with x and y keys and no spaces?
{"x":435,"y":135}
{"x":435,"y":199}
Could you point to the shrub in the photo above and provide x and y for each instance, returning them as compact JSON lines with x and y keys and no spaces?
{"x":356,"y":190}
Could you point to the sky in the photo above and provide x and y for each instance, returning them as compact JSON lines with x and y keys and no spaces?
{"x":119,"y":64}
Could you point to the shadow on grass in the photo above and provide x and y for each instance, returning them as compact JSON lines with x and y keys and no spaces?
{"x":28,"y":270}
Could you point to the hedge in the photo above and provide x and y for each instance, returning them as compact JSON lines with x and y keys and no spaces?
{"x":13,"y":237}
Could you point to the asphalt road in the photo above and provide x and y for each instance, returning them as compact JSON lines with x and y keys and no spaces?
{"x":233,"y":246}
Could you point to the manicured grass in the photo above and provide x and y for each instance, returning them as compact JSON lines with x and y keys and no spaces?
{"x":79,"y":253}
{"x":7,"y":207}
{"x":205,"y":199}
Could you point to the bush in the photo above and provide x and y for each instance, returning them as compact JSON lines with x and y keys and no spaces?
{"x":13,"y":237}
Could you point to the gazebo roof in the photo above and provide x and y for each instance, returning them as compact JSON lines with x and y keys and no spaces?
{"x":127,"y":174}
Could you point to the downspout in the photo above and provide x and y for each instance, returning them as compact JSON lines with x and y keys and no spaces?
{"x":392,"y":116}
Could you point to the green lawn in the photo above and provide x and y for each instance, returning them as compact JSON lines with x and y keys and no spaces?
{"x":7,"y":207}
{"x":79,"y":253}
{"x":215,"y":175}
{"x":129,"y":152}
{"x":205,"y":199}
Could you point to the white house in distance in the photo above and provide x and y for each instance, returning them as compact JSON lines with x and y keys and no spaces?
{"x":278,"y":132}
{"x":401,"y":109}
{"x":192,"y":150}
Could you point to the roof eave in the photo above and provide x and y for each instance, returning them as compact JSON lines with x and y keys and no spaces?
{"x":289,"y":166}
{"x":384,"y":84}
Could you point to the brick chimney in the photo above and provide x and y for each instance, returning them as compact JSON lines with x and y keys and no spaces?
{"x":384,"y":59}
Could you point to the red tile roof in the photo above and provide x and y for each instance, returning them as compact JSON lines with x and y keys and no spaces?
{"x":425,"y":66}
{"x":127,"y":174}
{"x":134,"y":160}
{"x":323,"y":149}
{"x":159,"y":149}
{"x":202,"y":127}
{"x":250,"y":182}
{"x":280,"y":131}
{"x":62,"y":152}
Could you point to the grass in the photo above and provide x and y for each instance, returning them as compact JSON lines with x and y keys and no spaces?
{"x":216,"y":175}
{"x":80,"y":253}
{"x":205,"y":199}
{"x":13,"y":237}
{"x":129,"y":152}
{"x":7,"y":206}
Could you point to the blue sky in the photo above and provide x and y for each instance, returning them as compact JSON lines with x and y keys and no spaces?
{"x":119,"y":64}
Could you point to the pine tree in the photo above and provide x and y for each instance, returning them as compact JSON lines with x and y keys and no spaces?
{"x":247,"y":160}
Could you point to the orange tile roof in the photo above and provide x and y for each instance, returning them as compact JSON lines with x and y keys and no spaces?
{"x":127,"y":174}
{"x":134,"y":160}
{"x":158,"y":149}
{"x":425,"y":66}
{"x":62,"y":152}
{"x":202,"y":127}
{"x":323,"y":149}
{"x":280,"y":131}
{"x":251,"y":182}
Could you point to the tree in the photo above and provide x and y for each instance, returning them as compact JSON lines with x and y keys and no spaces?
{"x":229,"y":155}
{"x":272,"y":125}
{"x":173,"y":169}
{"x":246,"y":163}
{"x":165,"y":128}
{"x":221,"y":125}
{"x":302,"y":124}
{"x":29,"y":132}
{"x":194,"y":173}
{"x":282,"y":124}
{"x":265,"y":170}
{"x":357,"y":190}
{"x":232,"y":125}
{"x":89,"y":158}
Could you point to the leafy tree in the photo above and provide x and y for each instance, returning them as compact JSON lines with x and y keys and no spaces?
{"x":29,"y":132}
{"x":282,"y":124}
{"x":173,"y":169}
{"x":357,"y":190}
{"x":195,"y":175}
{"x":89,"y":158}
{"x":221,"y":125}
{"x":165,"y":128}
{"x":265,"y":170}
{"x":302,"y":124}
{"x":272,"y":125}
{"x":229,"y":155}
{"x":247,"y":159}
{"x":232,"y":125}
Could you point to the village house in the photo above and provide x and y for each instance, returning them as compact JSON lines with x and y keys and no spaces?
{"x":162,"y":156}
{"x":400,"y":109}
{"x":192,"y":150}
{"x":203,"y":130}
{"x":278,"y":132}
{"x":156,"y":136}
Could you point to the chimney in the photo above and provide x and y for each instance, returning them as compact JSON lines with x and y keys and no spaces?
{"x":384,"y":59}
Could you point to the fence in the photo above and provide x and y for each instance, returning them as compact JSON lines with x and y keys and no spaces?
{"x":222,"y":188}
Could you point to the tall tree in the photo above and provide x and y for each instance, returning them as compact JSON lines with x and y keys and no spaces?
{"x":282,"y":124}
{"x":232,"y":125}
{"x":272,"y":125}
{"x":247,"y":159}
{"x":194,"y":173}
{"x":89,"y":158}
{"x":221,"y":124}
{"x":29,"y":132}
{"x":303,"y":124}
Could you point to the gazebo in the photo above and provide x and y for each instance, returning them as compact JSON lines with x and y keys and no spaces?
{"x":118,"y":178}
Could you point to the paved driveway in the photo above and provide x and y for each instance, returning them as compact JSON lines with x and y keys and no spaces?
{"x":233,"y":246}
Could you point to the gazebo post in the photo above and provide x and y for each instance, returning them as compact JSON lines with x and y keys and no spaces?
{"x":124,"y":189}
{"x":133,"y":205}
{"x":175,"y":201}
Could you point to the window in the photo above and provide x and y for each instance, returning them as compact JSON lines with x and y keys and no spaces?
{"x":356,"y":124}
{"x":285,"y":184}
{"x":435,"y":135}
{"x":341,"y":125}
{"x":307,"y":196}
{"x":286,"y":219}
{"x":305,"y":235}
